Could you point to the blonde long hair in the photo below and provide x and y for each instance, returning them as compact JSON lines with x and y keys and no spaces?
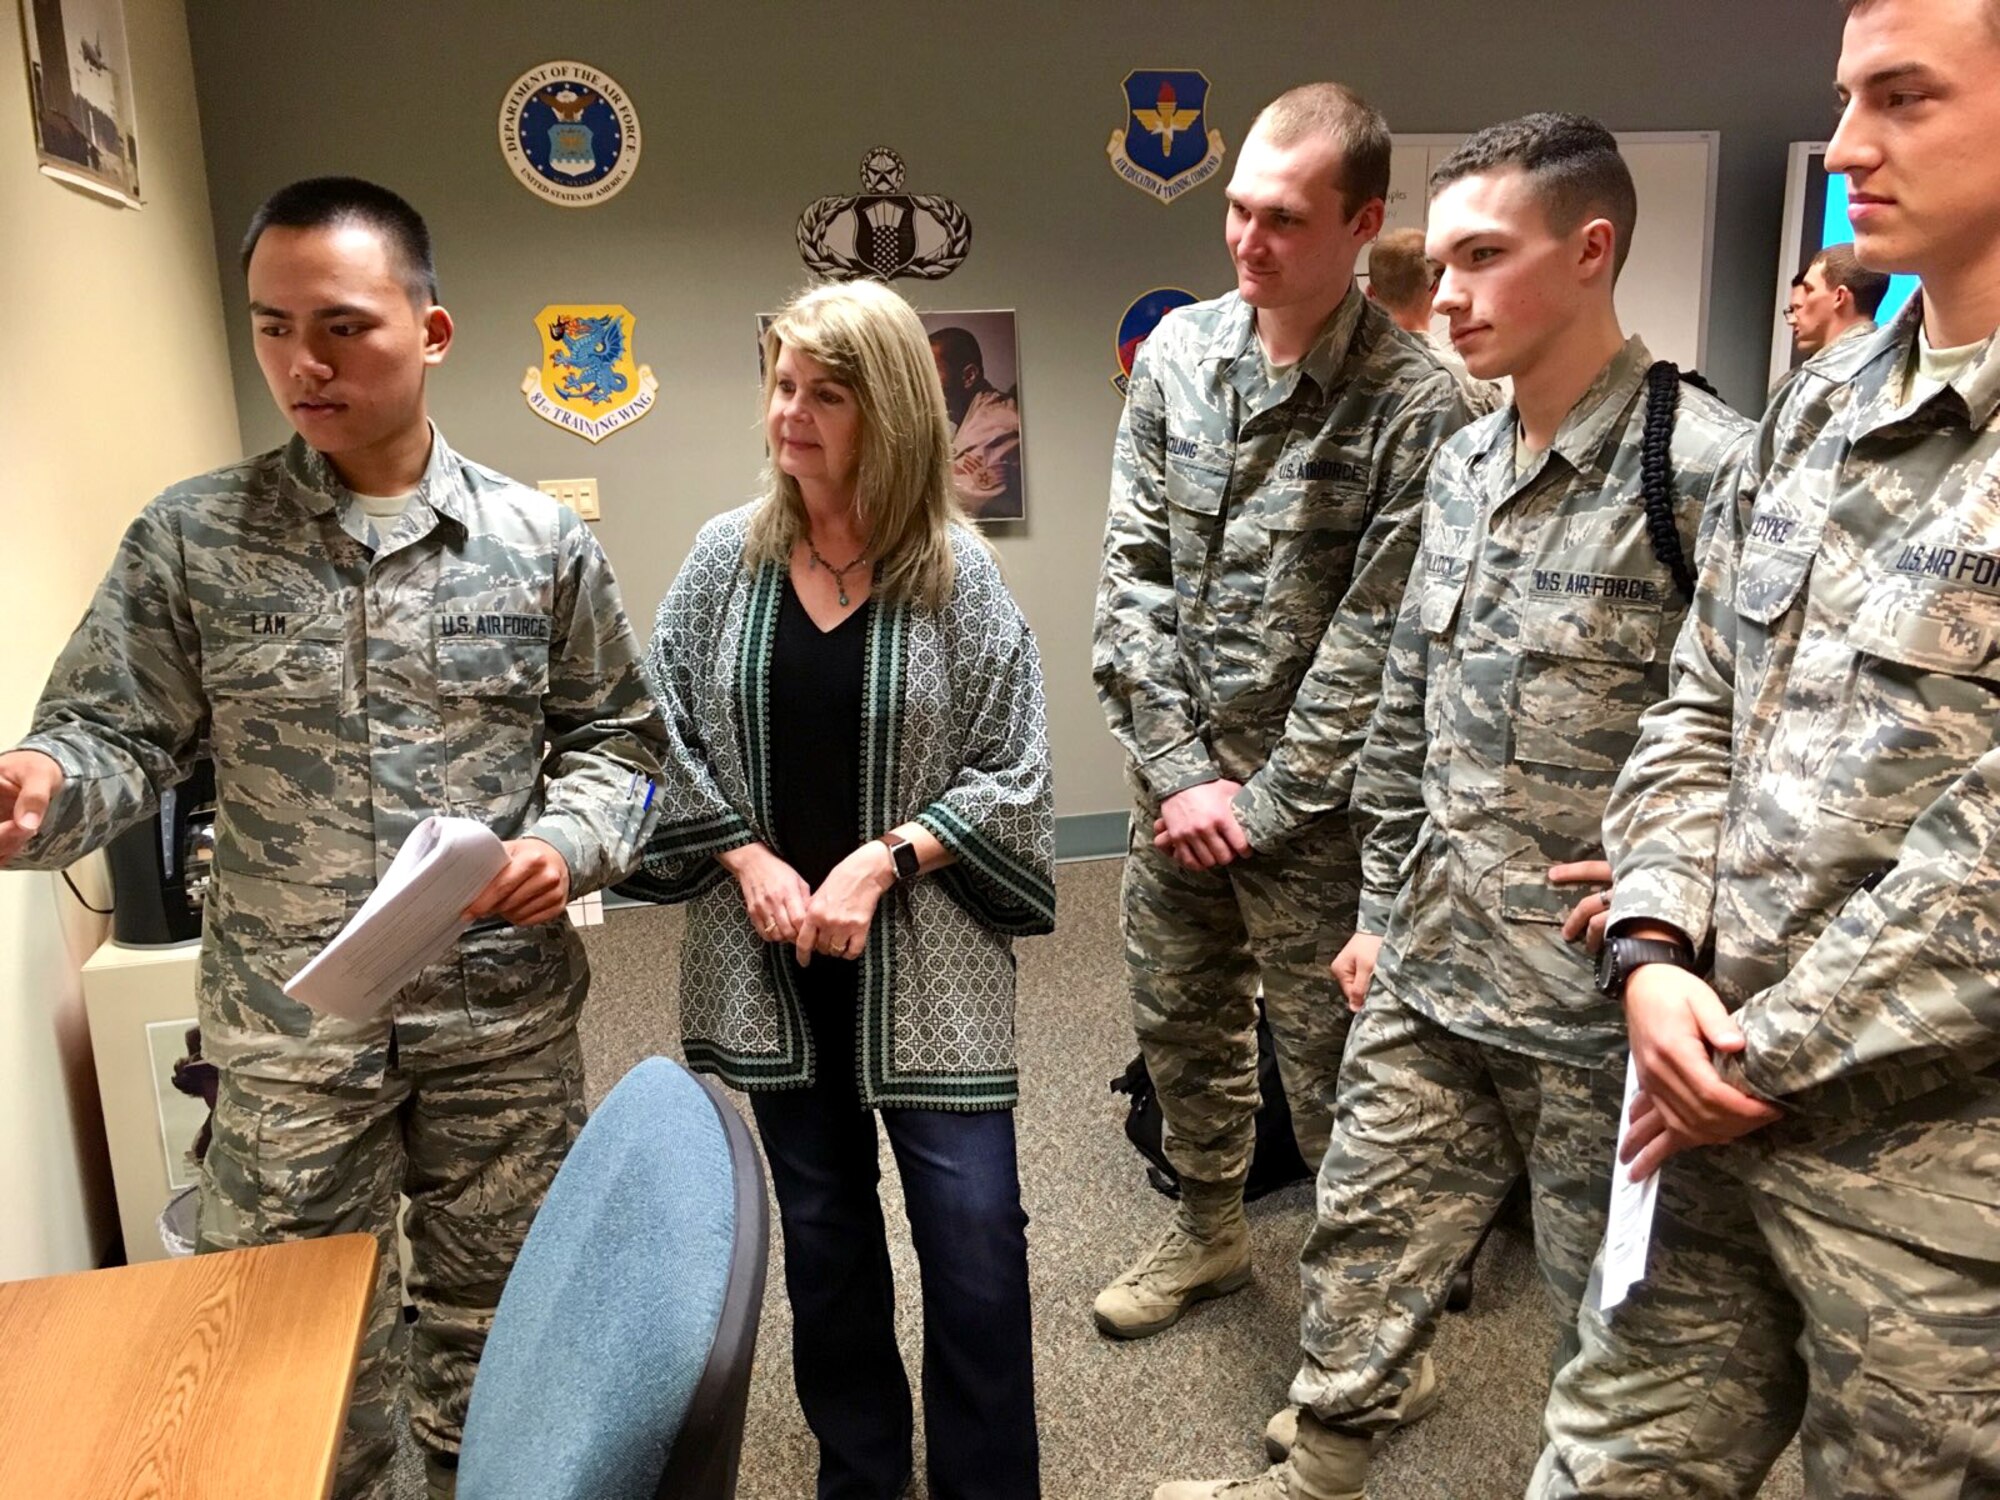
{"x":870,"y":340}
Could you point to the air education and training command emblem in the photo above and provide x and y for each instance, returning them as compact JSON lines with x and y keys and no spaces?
{"x":1140,"y":319}
{"x":569,"y":133}
{"x":588,"y":382}
{"x":1161,"y":149}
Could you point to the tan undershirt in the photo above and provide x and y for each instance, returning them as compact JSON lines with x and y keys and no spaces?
{"x":1938,"y":368}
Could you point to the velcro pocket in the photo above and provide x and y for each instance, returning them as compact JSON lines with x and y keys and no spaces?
{"x":1580,"y":629}
{"x":1768,"y":582}
{"x":1586,"y":671}
{"x":274,"y":656}
{"x":1526,"y":894}
{"x":1438,"y":600}
{"x":478,"y":666}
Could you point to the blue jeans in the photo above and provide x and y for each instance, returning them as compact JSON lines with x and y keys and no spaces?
{"x":963,"y":1194}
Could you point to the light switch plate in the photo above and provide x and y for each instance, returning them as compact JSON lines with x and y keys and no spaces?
{"x":580,"y":495}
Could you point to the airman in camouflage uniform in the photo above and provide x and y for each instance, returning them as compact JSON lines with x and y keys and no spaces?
{"x":351,"y":678}
{"x":1261,"y":528}
{"x":1820,"y":800}
{"x":1535,"y":629}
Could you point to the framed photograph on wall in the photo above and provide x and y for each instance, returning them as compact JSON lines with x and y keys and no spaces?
{"x":80,"y":95}
{"x":978,"y":362}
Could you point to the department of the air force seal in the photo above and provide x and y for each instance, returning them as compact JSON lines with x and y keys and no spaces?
{"x":883,"y":231}
{"x":1140,"y":319}
{"x":1161,"y":149}
{"x":569,"y":133}
{"x":588,"y":382}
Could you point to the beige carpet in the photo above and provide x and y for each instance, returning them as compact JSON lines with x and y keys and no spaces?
{"x":1116,"y":1419}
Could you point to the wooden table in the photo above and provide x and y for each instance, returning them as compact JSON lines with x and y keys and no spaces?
{"x":223,"y":1376}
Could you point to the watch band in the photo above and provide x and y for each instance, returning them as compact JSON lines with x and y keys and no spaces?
{"x":1621,"y":955}
{"x":904,"y":855}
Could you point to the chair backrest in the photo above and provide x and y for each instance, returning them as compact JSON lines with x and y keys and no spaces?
{"x":619,"y":1363}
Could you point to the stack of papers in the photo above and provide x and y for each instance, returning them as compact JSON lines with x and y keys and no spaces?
{"x":1628,"y":1234}
{"x":413,"y":918}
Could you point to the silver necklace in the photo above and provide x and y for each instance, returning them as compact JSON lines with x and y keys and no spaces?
{"x":839,"y":574}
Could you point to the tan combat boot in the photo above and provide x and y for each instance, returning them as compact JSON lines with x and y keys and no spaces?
{"x":1203,"y":1254}
{"x":1418,"y":1402}
{"x":1324,"y":1465}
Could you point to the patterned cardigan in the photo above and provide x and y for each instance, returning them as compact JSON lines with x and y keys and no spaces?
{"x":953,"y":737}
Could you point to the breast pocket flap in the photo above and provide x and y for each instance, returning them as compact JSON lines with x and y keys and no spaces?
{"x":492,"y":667}
{"x":1627,"y":632}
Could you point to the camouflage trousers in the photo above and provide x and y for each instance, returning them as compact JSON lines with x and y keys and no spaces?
{"x":1758,"y":1318}
{"x":1431,"y":1132}
{"x":1197,"y":944}
{"x":474,"y":1148}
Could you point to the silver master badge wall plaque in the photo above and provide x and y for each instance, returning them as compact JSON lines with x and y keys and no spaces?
{"x":883,"y":231}
{"x":569,"y":133}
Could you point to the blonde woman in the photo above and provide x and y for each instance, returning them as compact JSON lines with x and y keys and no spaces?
{"x":858,"y":813}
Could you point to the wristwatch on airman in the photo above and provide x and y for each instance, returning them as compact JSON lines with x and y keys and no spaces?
{"x":904,"y":853}
{"x":1621,"y":955}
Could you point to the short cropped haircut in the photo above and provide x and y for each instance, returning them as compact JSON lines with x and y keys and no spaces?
{"x":1335,"y":113}
{"x":1571,"y":163}
{"x":323,"y":202}
{"x":1838,"y":266}
{"x":1992,"y":8}
{"x":1398,"y":271}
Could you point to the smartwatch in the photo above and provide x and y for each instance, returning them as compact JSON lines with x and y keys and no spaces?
{"x":1621,"y":955}
{"x":904,"y":853}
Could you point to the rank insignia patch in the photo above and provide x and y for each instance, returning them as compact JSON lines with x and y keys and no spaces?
{"x":883,"y":231}
{"x":1161,"y":149}
{"x":1140,"y":319}
{"x":569,"y":133}
{"x":588,"y":382}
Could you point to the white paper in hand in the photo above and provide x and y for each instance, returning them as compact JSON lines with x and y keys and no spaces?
{"x":413,"y":917}
{"x":1628,"y":1233}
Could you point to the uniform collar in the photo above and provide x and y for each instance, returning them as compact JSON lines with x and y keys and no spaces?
{"x":1597,"y":420}
{"x":1880,"y":381}
{"x":1235,"y":345}
{"x":310,"y":480}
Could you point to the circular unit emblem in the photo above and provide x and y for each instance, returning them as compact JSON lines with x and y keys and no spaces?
{"x":569,"y":133}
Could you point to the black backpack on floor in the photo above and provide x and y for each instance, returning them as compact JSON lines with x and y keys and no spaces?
{"x":1275,"y":1162}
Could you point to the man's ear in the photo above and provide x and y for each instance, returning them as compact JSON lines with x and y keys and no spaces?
{"x":1368,"y":223}
{"x":1597,"y":253}
{"x":437,"y":334}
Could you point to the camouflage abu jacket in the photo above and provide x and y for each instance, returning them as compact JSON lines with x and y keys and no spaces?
{"x":477,"y":662}
{"x":1259,"y":537}
{"x":1820,"y":796}
{"x":954,"y":737}
{"x":1535,"y":630}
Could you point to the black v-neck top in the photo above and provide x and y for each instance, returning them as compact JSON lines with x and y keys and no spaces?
{"x":816,"y":684}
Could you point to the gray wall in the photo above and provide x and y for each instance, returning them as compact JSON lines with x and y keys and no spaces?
{"x":752,"y":110}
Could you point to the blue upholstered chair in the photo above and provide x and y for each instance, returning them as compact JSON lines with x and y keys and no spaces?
{"x":619,"y":1363}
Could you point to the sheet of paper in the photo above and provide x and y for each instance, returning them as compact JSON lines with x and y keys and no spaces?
{"x":412,"y":919}
{"x":1629,"y":1231}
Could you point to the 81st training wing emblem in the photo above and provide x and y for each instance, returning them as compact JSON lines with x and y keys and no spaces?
{"x":588,"y":382}
{"x":1161,"y":149}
